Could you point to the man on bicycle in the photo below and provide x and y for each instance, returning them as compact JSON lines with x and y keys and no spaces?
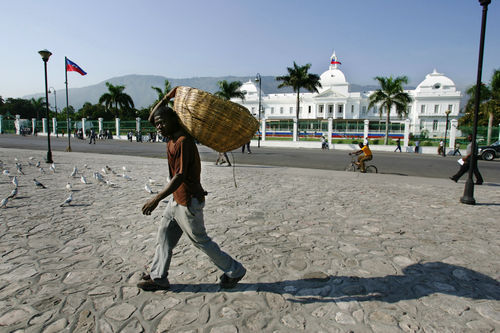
{"x":367,"y":156}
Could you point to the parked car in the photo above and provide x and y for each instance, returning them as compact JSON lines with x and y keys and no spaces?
{"x":488,"y":153}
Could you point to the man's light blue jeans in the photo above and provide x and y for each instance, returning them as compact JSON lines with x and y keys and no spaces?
{"x":178,"y":219}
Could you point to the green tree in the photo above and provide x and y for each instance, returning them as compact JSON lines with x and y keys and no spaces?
{"x":115,"y":96}
{"x":94,"y":111}
{"x":20,"y":106}
{"x":228,"y":90}
{"x":390,"y":94}
{"x":161,"y":93}
{"x":299,"y":77}
{"x":489,"y":108}
{"x":39,"y":106}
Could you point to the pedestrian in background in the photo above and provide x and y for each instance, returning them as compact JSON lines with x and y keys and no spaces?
{"x":466,"y":165}
{"x":248,"y":148}
{"x":398,"y":143}
{"x":457,"y":149}
{"x":417,"y":146}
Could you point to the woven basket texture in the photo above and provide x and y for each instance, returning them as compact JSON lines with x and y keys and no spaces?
{"x":219,"y":124}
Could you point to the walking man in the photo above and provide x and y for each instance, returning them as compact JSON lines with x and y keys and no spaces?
{"x":398,"y":142}
{"x":184,"y":212}
{"x":466,"y":165}
{"x":248,"y":148}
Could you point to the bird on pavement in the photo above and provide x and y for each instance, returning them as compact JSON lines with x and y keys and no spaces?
{"x":37,"y":164}
{"x":74,"y":172}
{"x":148,"y":189}
{"x":68,"y":200}
{"x":19,"y":168}
{"x":14,"y":181}
{"x":42,"y":170}
{"x":13,"y":193}
{"x":6,"y":173}
{"x":53,"y":167}
{"x":38,"y":184}
{"x":69,"y":187}
{"x":83,"y":179}
{"x":126,"y":177}
{"x":3,"y":204}
{"x":151,"y":181}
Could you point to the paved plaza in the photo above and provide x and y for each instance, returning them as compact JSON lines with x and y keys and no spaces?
{"x":326,"y":251}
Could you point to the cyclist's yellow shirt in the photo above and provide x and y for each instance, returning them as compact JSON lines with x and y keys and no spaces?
{"x":367,"y":151}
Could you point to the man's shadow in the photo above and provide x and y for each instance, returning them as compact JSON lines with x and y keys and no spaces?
{"x":419,"y":280}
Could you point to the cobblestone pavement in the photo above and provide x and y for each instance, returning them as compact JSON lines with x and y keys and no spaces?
{"x":326,"y":251}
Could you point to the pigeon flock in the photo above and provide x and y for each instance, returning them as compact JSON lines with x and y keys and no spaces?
{"x":28,"y":171}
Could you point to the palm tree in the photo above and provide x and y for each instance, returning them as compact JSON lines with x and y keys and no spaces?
{"x":299,"y":77}
{"x":489,"y":104}
{"x":228,"y":90}
{"x":161,"y":93}
{"x":38,"y":105}
{"x":116,"y":96}
{"x":390,"y":93}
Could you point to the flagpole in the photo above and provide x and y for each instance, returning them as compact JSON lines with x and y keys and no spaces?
{"x":67,"y":105}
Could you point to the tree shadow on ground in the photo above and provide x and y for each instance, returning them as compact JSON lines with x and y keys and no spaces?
{"x":419,"y":280}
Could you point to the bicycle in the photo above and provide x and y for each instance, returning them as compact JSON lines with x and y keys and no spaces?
{"x":353,"y":167}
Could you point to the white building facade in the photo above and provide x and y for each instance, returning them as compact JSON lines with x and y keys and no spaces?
{"x":435,"y":95}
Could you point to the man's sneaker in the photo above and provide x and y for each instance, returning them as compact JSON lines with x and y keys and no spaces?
{"x":151,"y":285}
{"x":454,"y":179}
{"x":227,"y":282}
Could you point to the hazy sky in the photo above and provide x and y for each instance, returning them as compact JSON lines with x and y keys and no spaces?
{"x":190,"y":38}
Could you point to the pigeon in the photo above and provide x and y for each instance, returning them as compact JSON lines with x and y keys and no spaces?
{"x":124,"y":168}
{"x":6,"y":173}
{"x":13,"y":193}
{"x":151,"y":181}
{"x":31,"y":158}
{"x":68,"y":200}
{"x":99,"y":177}
{"x":38,"y":184}
{"x":30,"y":164}
{"x":14,"y":181}
{"x":83,"y":179}
{"x":37,"y":164}
{"x":74,"y":172}
{"x":85,"y":166}
{"x":41,"y":170}
{"x":3,"y":204}
{"x":19,"y":168}
{"x":104,"y":171}
{"x":126,"y":177}
{"x":69,"y":187}
{"x":53,"y":167}
{"x":109,"y":183}
{"x":15,"y":159}
{"x":148,"y":189}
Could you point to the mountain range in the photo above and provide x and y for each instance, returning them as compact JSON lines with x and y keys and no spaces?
{"x":139,"y":88}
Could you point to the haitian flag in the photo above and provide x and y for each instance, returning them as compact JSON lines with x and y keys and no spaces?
{"x":72,"y":67}
{"x":335,"y":61}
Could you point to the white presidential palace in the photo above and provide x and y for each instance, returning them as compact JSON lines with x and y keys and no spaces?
{"x":348,"y":112}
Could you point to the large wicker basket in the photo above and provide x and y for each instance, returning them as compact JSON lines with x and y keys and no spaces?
{"x":219,"y":124}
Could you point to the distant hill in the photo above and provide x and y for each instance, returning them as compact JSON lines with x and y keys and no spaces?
{"x":139,"y":88}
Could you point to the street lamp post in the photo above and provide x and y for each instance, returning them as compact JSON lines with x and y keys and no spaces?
{"x":55,"y":106}
{"x":259,"y":79}
{"x":447,"y":112}
{"x":45,"y":57}
{"x":468,"y":197}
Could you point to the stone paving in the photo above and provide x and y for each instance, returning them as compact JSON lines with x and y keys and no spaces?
{"x":325,"y":251}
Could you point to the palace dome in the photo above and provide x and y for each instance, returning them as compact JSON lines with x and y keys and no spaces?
{"x":434,"y":81}
{"x":332,"y":77}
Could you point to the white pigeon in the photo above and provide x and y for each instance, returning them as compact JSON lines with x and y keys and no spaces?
{"x":38,"y":184}
{"x":151,"y":181}
{"x":53,"y":167}
{"x":37,"y":164}
{"x":74,"y":172}
{"x":15,"y":159}
{"x":85,"y":166}
{"x":3,"y":204}
{"x":31,"y":158}
{"x":109,"y":183}
{"x":6,"y":173}
{"x":124,"y":168}
{"x":126,"y":177}
{"x":104,"y":171}
{"x":13,"y":193}
{"x":83,"y":179}
{"x":69,"y":187}
{"x":19,"y":168}
{"x":14,"y":181}
{"x":68,"y":200}
{"x":148,"y":189}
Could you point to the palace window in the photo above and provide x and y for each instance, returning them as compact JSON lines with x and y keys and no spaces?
{"x":281,"y":110}
{"x":450,"y":107}
{"x":436,"y":108}
{"x":309,"y":109}
{"x":352,"y":108}
{"x":363,"y":109}
{"x":291,"y":109}
{"x":422,"y":108}
{"x":321,"y":109}
{"x":435,"y":125}
{"x":330,"y":109}
{"x":272,"y":110}
{"x":341,"y":108}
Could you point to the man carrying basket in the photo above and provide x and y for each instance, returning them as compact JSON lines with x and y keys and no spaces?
{"x":184,"y":212}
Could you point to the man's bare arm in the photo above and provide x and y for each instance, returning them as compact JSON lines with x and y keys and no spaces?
{"x":171,"y":187}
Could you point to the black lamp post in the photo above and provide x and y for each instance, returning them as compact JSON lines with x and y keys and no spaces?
{"x":259,"y":79}
{"x":55,"y":106}
{"x":45,"y":57}
{"x":447,"y":112}
{"x":468,"y":197}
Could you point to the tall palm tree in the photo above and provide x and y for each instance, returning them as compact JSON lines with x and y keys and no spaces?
{"x":489,"y":104}
{"x":116,"y":96}
{"x":161,"y":93}
{"x":228,"y":90}
{"x":299,"y":77}
{"x":390,"y":94}
{"x":38,"y":105}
